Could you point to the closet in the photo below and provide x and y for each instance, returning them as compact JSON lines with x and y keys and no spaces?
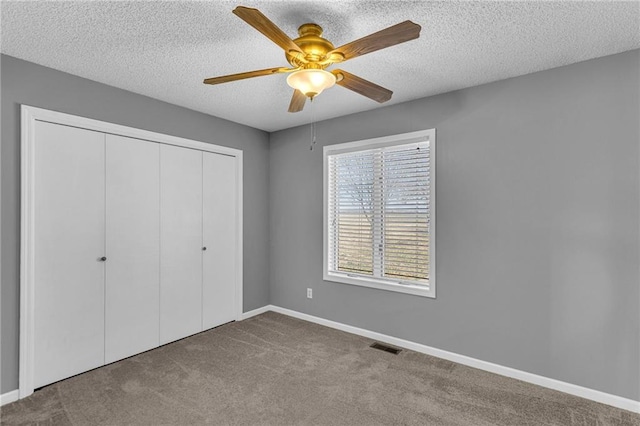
{"x":69,"y":244}
{"x":182,"y":246}
{"x":132,"y":249}
{"x":134,"y":244}
{"x":193,"y":293}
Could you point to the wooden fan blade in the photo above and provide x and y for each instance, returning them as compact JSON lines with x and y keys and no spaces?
{"x":257,"y":20}
{"x":243,"y":75}
{"x":297,"y":101}
{"x":391,"y":36}
{"x":362,"y":86}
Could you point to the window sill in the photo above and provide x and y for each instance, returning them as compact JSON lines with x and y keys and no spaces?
{"x":381,"y":285}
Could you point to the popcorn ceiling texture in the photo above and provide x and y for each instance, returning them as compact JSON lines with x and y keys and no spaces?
{"x":165,"y":49}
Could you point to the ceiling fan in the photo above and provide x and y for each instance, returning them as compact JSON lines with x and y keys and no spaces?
{"x":310,"y":54}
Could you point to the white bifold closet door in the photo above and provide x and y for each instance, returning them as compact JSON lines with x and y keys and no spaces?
{"x":135,"y":245}
{"x":180,"y":242}
{"x":69,"y":197}
{"x":220,"y":218}
{"x":132,"y":247}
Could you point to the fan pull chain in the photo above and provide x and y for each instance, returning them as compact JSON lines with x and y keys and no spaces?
{"x":313,"y":125}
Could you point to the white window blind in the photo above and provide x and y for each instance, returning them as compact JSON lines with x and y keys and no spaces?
{"x":379,"y":214}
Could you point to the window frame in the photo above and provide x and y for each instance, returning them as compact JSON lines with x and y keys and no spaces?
{"x":373,"y":282}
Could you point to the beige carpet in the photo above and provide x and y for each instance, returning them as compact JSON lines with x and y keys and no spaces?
{"x":276,"y":370}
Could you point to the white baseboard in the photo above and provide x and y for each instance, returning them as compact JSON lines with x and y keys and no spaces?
{"x":247,"y":315}
{"x":8,"y":397}
{"x":587,"y":393}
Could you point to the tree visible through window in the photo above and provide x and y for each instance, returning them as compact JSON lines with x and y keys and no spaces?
{"x":379,"y":212}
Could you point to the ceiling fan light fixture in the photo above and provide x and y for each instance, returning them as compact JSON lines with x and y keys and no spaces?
{"x":310,"y":54}
{"x":311,"y":82}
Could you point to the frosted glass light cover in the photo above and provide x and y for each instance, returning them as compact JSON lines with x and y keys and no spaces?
{"x":311,"y":82}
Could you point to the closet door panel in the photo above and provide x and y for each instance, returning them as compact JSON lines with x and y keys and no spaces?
{"x":69,"y":243}
{"x":132,"y":247}
{"x":180,"y":242}
{"x":220,"y":218}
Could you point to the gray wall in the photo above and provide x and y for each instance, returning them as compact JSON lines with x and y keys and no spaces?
{"x":537,"y":220}
{"x":538,"y":215}
{"x":31,"y":84}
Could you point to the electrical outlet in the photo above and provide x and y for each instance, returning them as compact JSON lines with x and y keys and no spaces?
{"x":309,"y":293}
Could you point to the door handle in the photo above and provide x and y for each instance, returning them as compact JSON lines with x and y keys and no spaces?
{"x":103,"y":259}
{"x":204,"y":249}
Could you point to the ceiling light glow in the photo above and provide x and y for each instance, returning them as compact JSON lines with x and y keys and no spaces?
{"x":311,"y":82}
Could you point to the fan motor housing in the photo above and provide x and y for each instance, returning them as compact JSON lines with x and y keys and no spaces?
{"x":313,"y":45}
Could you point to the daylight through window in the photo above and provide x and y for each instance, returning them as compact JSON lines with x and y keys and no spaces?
{"x":379,"y":213}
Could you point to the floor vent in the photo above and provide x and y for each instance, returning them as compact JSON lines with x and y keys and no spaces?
{"x":386,"y":348}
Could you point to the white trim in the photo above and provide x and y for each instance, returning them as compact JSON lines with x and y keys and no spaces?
{"x":373,"y":143}
{"x":56,"y":117}
{"x":372,"y":282}
{"x":255,"y":312}
{"x":582,"y":392}
{"x":9,"y":397}
{"x":433,"y":150}
{"x":29,"y":117}
{"x":239,"y":236}
{"x":26,"y":357}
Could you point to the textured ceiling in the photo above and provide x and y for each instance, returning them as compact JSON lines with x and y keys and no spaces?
{"x":165,"y":49}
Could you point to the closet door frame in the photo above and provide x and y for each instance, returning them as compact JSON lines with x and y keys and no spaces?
{"x":29,"y":116}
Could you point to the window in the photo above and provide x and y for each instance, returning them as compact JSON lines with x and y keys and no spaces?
{"x":379,"y":213}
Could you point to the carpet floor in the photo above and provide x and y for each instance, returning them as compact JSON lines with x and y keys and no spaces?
{"x":276,"y":370}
